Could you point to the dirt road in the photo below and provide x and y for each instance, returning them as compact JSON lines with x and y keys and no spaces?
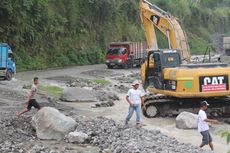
{"x":122,"y":77}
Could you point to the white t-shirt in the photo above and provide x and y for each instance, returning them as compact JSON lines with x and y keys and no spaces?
{"x":135,"y":96}
{"x":34,"y":91}
{"x":202,"y":125}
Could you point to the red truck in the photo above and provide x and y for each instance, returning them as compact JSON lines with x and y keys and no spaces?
{"x":125,"y":54}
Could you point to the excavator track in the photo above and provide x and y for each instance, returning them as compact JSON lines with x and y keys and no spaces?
{"x":163,"y":105}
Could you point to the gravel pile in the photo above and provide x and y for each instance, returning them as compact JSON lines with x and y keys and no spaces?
{"x":120,"y":88}
{"x":100,"y":73}
{"x":13,"y":94}
{"x":110,"y":103}
{"x":129,"y":78}
{"x":106,"y":96}
{"x":112,"y":137}
{"x":73,"y":82}
{"x":16,"y":129}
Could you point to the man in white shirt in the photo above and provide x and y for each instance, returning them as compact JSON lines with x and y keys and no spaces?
{"x":203,"y":126}
{"x":135,"y":98}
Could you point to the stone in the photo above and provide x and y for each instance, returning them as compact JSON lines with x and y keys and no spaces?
{"x":106,"y":96}
{"x":77,"y":137}
{"x":49,"y":124}
{"x":187,"y":120}
{"x":110,"y":103}
{"x":76,"y":94}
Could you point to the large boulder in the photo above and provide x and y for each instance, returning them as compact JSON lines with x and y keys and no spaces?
{"x":51,"y":124}
{"x":186,"y":120}
{"x":78,"y":95}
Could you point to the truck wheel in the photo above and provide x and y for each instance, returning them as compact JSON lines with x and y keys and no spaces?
{"x":151,"y":111}
{"x":125,"y":65}
{"x":109,"y":66}
{"x":9,"y":75}
{"x":142,"y":61}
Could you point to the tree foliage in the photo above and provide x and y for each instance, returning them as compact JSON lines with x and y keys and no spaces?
{"x":48,"y":33}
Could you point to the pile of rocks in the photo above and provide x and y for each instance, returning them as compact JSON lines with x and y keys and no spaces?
{"x":15,"y":131}
{"x":13,"y":94}
{"x":100,"y":73}
{"x":80,"y":82}
{"x":128,"y":78}
{"x":120,"y":88}
{"x":112,"y":137}
{"x":106,"y":96}
{"x":110,"y":103}
{"x":77,"y":82}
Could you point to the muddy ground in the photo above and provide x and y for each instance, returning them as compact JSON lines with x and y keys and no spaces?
{"x":18,"y":132}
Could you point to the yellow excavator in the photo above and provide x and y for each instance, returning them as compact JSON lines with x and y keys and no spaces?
{"x":175,"y":84}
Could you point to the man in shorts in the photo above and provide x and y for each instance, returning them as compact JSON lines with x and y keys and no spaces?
{"x":31,"y":101}
{"x":203,"y":126}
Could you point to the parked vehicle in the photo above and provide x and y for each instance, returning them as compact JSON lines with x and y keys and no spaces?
{"x":7,"y":62}
{"x":125,"y":54}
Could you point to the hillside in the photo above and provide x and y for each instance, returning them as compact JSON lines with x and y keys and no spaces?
{"x":54,"y":33}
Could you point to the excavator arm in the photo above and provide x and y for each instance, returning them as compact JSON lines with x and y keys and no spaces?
{"x":153,"y":17}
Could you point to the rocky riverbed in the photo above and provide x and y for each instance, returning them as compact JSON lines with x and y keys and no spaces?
{"x":104,"y":125}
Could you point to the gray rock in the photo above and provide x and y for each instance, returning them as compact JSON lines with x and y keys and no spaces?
{"x":78,"y":95}
{"x":77,"y":137}
{"x":106,"y":96}
{"x":110,"y":103}
{"x":186,"y":120}
{"x":51,"y":124}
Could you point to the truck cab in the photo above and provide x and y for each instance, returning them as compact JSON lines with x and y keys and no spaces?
{"x":125,"y":54}
{"x":116,"y":55}
{"x":7,"y":62}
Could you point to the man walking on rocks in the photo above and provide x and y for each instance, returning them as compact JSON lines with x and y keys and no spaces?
{"x":135,"y":98}
{"x":203,"y":126}
{"x":31,"y":101}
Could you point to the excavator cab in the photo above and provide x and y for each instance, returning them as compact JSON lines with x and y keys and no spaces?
{"x":162,"y":59}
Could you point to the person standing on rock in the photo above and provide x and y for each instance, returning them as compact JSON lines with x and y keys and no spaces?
{"x":135,"y":98}
{"x":203,"y":126}
{"x":31,"y":100}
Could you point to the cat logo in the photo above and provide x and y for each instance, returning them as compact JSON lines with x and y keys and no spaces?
{"x":213,"y":83}
{"x":213,"y":80}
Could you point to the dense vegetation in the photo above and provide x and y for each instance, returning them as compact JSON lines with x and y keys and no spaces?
{"x":51,"y":33}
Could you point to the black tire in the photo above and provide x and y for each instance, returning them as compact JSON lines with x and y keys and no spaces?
{"x":125,"y":65}
{"x":109,"y":66}
{"x":151,"y":111}
{"x":142,"y":61}
{"x":128,"y":64}
{"x":9,"y":75}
